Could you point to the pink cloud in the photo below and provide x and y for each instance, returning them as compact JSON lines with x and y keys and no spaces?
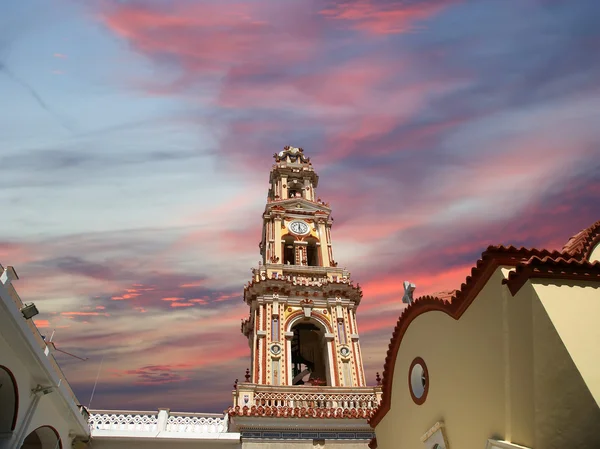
{"x":208,"y":38}
{"x":42,"y":323}
{"x":181,"y":304}
{"x":390,"y":17}
{"x":172,"y":298}
{"x":71,"y":314}
{"x":135,"y":291}
{"x":157,"y":375}
{"x":14,"y":253}
{"x":228,"y":297}
{"x":59,"y":55}
{"x":191,"y":284}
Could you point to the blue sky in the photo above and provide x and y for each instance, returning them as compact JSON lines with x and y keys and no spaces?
{"x":136,"y":139}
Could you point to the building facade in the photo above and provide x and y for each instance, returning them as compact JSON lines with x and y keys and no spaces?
{"x":38,"y":409}
{"x":306,"y":382}
{"x":510,"y":361}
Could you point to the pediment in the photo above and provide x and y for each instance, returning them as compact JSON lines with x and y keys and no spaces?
{"x":300,"y":205}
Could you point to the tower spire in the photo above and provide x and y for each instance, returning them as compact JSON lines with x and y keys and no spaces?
{"x":302,"y":324}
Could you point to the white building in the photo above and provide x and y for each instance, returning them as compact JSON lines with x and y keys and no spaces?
{"x":38,"y":410}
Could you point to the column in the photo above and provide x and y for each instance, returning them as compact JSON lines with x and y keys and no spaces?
{"x":323,"y":247}
{"x":284,"y":189}
{"x":277,"y":238}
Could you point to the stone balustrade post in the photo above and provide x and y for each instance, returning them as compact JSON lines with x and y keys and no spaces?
{"x":163,"y":417}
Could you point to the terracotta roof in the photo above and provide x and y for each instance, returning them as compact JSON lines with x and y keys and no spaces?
{"x":548,"y":268}
{"x":580,"y":246}
{"x":446,"y":295}
{"x":570,"y":263}
{"x":301,"y":412}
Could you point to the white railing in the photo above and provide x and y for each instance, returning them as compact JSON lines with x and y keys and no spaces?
{"x":128,"y":421}
{"x":196,"y":423}
{"x":163,"y":423}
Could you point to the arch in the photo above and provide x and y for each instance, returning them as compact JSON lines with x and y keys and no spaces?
{"x":316,"y":316}
{"x":9,"y":400}
{"x":310,"y":351}
{"x":44,"y":437}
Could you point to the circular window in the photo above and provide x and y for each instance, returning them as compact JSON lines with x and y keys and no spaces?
{"x":345,"y":351}
{"x":418,"y":380}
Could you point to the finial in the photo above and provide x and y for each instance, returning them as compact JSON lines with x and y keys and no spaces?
{"x":378,"y":379}
{"x":408,"y":292}
{"x":247,"y":376}
{"x":236,"y":382}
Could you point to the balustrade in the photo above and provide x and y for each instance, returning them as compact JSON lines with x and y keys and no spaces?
{"x":129,"y":421}
{"x":311,"y":397}
{"x":105,"y":423}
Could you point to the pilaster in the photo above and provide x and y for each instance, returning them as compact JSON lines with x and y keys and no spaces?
{"x":323,"y":247}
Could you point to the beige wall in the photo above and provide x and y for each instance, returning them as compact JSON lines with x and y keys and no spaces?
{"x":504,"y":370}
{"x":567,"y":370}
{"x":466,"y":390}
{"x":595,"y":255}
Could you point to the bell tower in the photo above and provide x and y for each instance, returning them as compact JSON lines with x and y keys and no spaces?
{"x":301,"y":329}
{"x":302,"y":325}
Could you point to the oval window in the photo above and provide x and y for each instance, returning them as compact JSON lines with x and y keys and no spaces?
{"x":418,"y":380}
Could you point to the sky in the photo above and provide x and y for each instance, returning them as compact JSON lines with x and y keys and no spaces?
{"x":136,"y":139}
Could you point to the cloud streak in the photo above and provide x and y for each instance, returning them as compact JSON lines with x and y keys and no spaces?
{"x":437,"y":128}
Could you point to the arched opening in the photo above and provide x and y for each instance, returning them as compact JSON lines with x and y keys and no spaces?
{"x":9,"y":400}
{"x":312,"y":252}
{"x":294,"y":188}
{"x":309,"y":354}
{"x":289,"y":254}
{"x":44,"y":437}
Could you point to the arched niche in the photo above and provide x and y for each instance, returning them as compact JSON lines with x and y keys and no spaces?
{"x":9,"y":400}
{"x":309,"y":351}
{"x":313,"y":258}
{"x":44,"y":437}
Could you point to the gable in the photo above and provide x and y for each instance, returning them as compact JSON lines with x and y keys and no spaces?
{"x":298,"y":204}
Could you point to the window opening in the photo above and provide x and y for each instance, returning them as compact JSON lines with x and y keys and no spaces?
{"x":308,"y":355}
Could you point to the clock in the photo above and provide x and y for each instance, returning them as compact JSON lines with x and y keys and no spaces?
{"x":298,"y":227}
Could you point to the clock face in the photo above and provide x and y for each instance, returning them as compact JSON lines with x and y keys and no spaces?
{"x":299,"y":227}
